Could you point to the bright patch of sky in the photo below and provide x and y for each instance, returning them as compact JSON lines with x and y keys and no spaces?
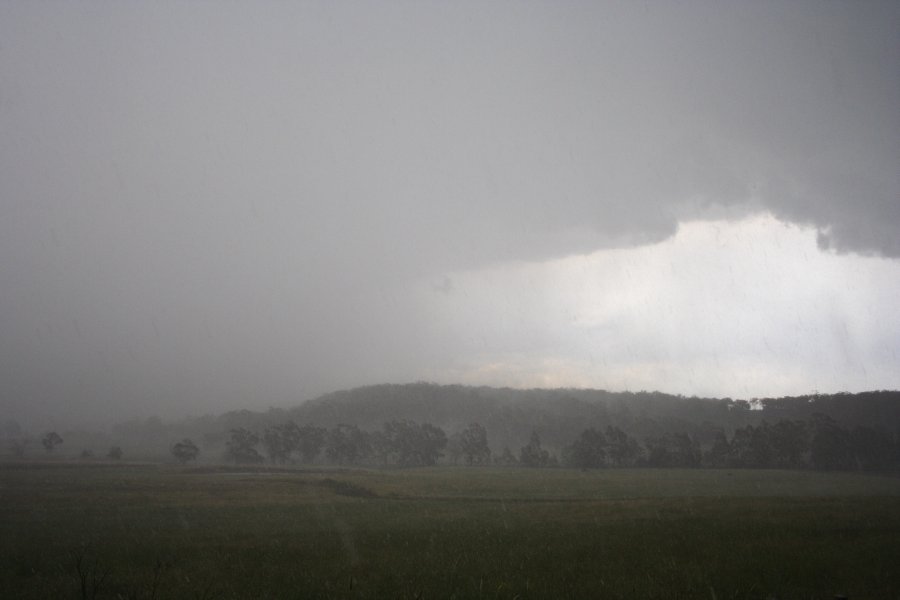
{"x":746,"y":308}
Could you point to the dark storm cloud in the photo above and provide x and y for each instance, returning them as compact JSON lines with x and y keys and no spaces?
{"x":225,"y":201}
{"x":495,"y":127}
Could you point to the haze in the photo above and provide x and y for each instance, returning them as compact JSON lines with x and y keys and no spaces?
{"x":210,"y":206}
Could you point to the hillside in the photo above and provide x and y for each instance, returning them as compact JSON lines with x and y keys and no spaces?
{"x":508,"y":416}
{"x":559,"y":415}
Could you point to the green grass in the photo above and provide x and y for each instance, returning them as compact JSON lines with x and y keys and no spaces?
{"x":163,"y":532}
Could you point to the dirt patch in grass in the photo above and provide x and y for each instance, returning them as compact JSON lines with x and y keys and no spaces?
{"x":345,"y":488}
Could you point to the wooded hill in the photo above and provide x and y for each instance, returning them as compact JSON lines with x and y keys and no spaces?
{"x":671,"y":430}
{"x":560,"y":415}
{"x":595,"y":428}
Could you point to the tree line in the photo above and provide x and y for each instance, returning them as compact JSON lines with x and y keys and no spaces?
{"x":638,"y":429}
{"x":401,"y":443}
{"x":820,"y":443}
{"x":788,"y":444}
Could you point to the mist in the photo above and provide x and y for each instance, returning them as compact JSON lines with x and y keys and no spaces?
{"x":210,"y":207}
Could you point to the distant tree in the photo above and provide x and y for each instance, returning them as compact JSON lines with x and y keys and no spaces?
{"x":506,"y":458}
{"x":474,"y":445}
{"x":740,"y":405}
{"x":411,"y":444}
{"x":241,"y":446}
{"x":741,"y":453}
{"x":874,"y":449}
{"x":622,"y":450}
{"x":347,"y":444}
{"x":87,"y":453}
{"x":51,"y":440}
{"x":532,"y":454}
{"x":831,"y":447}
{"x":789,"y":444}
{"x":185,"y":450}
{"x":311,"y":442}
{"x":687,"y":451}
{"x":454,"y":449}
{"x":281,"y":441}
{"x":588,"y":451}
{"x":430,"y":440}
{"x":115,"y":453}
{"x":678,"y":450}
{"x":381,"y":448}
{"x":718,"y":455}
{"x":659,"y":451}
{"x":761,"y":446}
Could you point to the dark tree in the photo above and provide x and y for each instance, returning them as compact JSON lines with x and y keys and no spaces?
{"x":410,"y":444}
{"x":660,"y":451}
{"x":874,"y":449}
{"x":622,"y":450}
{"x":506,"y":458}
{"x":430,"y":440}
{"x":588,"y":451}
{"x":678,"y":450}
{"x":454,"y":449}
{"x":720,"y":452}
{"x":741,"y":448}
{"x":789,"y":443}
{"x":473,"y":445}
{"x":740,"y":405}
{"x":311,"y":442}
{"x":381,"y":447}
{"x":51,"y":440}
{"x":532,"y":454}
{"x":831,"y":447}
{"x":115,"y":453}
{"x":185,"y":450}
{"x":241,"y":446}
{"x":347,"y":444}
{"x":761,"y":446}
{"x":281,"y":440}
{"x":688,"y":450}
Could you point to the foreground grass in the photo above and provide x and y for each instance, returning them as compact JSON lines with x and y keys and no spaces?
{"x":152,"y":532}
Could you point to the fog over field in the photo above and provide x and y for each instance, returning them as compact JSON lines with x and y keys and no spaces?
{"x":212,"y":206}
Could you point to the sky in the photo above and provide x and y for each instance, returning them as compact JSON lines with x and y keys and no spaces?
{"x":208,"y":206}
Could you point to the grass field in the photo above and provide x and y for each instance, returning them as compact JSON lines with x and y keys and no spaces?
{"x":143,"y":531}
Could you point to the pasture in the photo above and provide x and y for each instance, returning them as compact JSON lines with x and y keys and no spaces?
{"x":147,"y":531}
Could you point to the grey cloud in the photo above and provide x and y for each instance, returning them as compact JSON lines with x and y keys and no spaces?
{"x":275,"y":174}
{"x":471,"y":134}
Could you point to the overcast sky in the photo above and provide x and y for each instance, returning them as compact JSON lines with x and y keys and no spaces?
{"x":206,"y":206}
